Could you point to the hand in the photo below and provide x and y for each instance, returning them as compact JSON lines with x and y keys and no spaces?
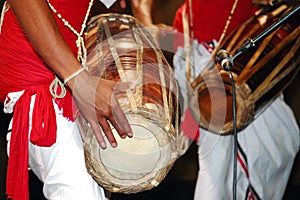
{"x":94,"y":96}
{"x":271,"y":2}
{"x":263,"y":2}
{"x":96,"y":101}
{"x":159,"y":32}
{"x":142,"y":11}
{"x":136,"y":3}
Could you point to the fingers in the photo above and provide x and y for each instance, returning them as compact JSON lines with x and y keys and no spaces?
{"x":271,"y":2}
{"x":119,"y":120}
{"x":123,"y":4}
{"x":98,"y":134}
{"x":101,"y":109}
{"x":121,"y":125}
{"x":108,"y":132}
{"x":123,"y":86}
{"x":135,"y":3}
{"x":111,"y":113}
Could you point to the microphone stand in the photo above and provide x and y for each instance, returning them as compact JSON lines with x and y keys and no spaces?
{"x":226,"y":61}
{"x":250,"y":43}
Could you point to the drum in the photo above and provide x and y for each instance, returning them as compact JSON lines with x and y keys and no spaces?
{"x":120,"y":49}
{"x":260,"y":75}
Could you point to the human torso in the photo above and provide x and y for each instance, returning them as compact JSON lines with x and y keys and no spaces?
{"x":21,"y":66}
{"x":210,"y":16}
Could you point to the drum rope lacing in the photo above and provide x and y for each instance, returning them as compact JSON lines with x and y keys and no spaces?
{"x":138,"y":31}
{"x":191,"y":72}
{"x":79,"y":44}
{"x":227,"y":24}
{"x":139,"y":64}
{"x":119,"y":66}
{"x":188,"y":47}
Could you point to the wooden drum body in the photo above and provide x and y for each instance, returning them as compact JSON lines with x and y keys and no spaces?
{"x":260,"y":75}
{"x":119,"y":49}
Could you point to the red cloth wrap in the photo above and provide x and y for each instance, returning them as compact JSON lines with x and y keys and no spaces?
{"x":23,"y":69}
{"x":209,"y":18}
{"x":43,"y":133}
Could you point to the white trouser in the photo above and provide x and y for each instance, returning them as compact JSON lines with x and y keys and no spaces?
{"x":61,"y":167}
{"x":270,"y":144}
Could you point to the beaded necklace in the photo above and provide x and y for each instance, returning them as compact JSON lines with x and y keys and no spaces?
{"x":225,"y":27}
{"x":227,"y":23}
{"x":189,"y":45}
{"x":82,"y":52}
{"x":80,"y":41}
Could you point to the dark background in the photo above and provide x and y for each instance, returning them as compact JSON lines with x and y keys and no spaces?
{"x":180,"y":182}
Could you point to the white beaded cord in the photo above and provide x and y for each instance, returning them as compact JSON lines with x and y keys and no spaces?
{"x":80,"y":41}
{"x":5,"y":7}
{"x":226,"y":25}
{"x":82,"y":52}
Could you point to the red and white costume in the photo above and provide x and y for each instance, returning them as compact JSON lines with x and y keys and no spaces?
{"x":40,"y":123}
{"x":267,"y":147}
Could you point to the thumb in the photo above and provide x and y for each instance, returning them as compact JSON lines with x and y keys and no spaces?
{"x":123,"y":86}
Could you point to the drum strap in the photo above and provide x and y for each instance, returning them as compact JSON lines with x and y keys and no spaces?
{"x":120,"y":68}
{"x":188,"y":32}
{"x":187,"y":45}
{"x":227,"y":23}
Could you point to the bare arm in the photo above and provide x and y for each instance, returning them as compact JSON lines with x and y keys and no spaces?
{"x":41,"y":29}
{"x":94,"y":96}
{"x":142,"y":10}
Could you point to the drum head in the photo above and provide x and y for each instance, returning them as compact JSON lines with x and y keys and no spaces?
{"x":136,"y":164}
{"x":126,"y":158}
{"x":120,"y":49}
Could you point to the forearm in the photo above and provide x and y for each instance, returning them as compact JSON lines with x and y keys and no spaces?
{"x":142,"y":10}
{"x":97,"y":104}
{"x":40,"y":27}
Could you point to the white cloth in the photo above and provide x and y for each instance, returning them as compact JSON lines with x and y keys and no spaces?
{"x":200,"y":59}
{"x":108,"y":3}
{"x":270,"y":143}
{"x":61,"y":167}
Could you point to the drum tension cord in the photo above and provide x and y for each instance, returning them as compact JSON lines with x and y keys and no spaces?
{"x":225,"y":59}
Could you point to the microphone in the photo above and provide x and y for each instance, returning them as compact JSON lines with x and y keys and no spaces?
{"x":224,"y":58}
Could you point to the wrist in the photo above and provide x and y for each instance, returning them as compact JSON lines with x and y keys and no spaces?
{"x":72,"y":76}
{"x":80,"y":73}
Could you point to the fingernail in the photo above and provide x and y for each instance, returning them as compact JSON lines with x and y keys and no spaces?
{"x":129,"y":134}
{"x":133,"y":84}
{"x":114,"y":145}
{"x":135,"y":3}
{"x":123,"y":136}
{"x":123,"y":4}
{"x":103,"y":145}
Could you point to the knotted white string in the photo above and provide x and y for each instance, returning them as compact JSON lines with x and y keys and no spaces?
{"x":82,"y":52}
